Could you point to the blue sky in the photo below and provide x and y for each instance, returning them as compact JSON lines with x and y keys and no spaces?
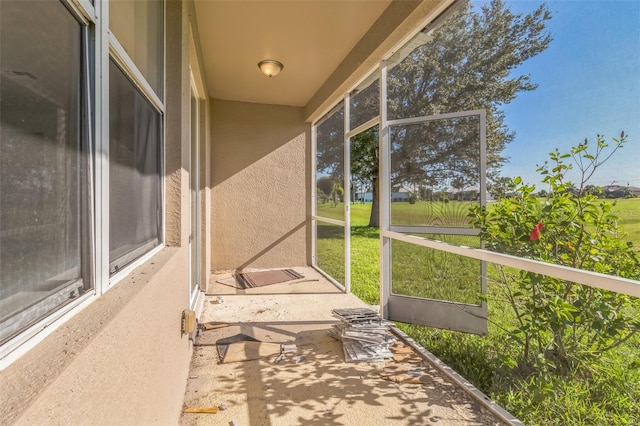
{"x":589,"y":84}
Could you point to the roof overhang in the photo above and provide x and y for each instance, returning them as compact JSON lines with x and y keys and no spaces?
{"x":326,"y":46}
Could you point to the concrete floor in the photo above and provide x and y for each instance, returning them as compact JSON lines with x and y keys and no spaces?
{"x":321,"y":389}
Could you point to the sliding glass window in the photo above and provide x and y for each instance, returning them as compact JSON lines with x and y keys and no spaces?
{"x":135,"y":202}
{"x":136,"y":76}
{"x":139,"y":27}
{"x":44,"y":163}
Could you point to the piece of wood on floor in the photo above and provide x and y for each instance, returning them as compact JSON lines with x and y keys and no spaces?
{"x":213,"y":325}
{"x":203,"y":410}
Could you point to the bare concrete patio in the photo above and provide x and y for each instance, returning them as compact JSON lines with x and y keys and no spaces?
{"x":320,"y":388}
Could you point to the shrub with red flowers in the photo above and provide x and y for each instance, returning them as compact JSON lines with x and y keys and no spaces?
{"x":558,"y":324}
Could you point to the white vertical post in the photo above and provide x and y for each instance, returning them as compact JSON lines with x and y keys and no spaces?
{"x":483,"y":197}
{"x":347,"y":195}
{"x":383,"y":196}
{"x":194,"y":192}
{"x":314,"y":193}
{"x":102,"y":149}
{"x":89,"y":192}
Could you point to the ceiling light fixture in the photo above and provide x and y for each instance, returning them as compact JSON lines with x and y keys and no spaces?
{"x":270,"y":67}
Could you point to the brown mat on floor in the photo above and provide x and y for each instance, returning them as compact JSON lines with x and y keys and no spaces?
{"x":263,"y":278}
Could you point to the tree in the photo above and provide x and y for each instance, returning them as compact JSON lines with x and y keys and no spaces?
{"x":330,"y":189}
{"x":364,"y":166}
{"x":325,"y":185}
{"x":337,"y":194}
{"x":458,"y":184}
{"x":592,"y":190}
{"x":467,"y":63}
{"x":500,"y":187}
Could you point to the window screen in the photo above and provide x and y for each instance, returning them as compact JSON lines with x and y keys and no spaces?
{"x":330,"y":165}
{"x":365,"y":101}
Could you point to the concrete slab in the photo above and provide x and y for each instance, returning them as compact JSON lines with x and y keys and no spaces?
{"x":319,"y":388}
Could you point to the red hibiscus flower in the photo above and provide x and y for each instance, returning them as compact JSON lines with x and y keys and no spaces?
{"x":535,"y":232}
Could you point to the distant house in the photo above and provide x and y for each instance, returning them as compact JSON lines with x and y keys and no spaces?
{"x":469,"y":193}
{"x":367,"y":197}
{"x":620,"y":191}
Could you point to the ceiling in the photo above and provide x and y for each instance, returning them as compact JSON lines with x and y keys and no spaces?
{"x":310,"y":37}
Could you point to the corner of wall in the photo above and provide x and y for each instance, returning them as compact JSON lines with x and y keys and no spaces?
{"x":177,"y":125}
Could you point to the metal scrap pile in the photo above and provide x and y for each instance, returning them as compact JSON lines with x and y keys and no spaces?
{"x":364,"y":335}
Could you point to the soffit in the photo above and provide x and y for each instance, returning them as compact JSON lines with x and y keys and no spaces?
{"x":311,"y":38}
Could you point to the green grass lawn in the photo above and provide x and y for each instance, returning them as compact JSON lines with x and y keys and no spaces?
{"x":608,"y":396}
{"x":628,"y":212}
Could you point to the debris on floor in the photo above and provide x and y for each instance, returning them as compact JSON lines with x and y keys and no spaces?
{"x":400,"y":373}
{"x":217,"y":301}
{"x":364,"y":335}
{"x":406,"y":366}
{"x":404,"y":353}
{"x":322,"y":388}
{"x":207,"y":410}
{"x":289,"y":347}
{"x":213,"y":325}
{"x":357,"y":316}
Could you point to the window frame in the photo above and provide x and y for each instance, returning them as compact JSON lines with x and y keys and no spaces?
{"x":99,"y":48}
{"x":117,"y":54}
{"x":123,"y":260}
{"x":28,"y":335}
{"x":195,"y":201}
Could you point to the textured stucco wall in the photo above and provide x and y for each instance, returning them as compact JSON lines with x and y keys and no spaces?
{"x":122,"y":360}
{"x":178,"y":125}
{"x":259,"y":193}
